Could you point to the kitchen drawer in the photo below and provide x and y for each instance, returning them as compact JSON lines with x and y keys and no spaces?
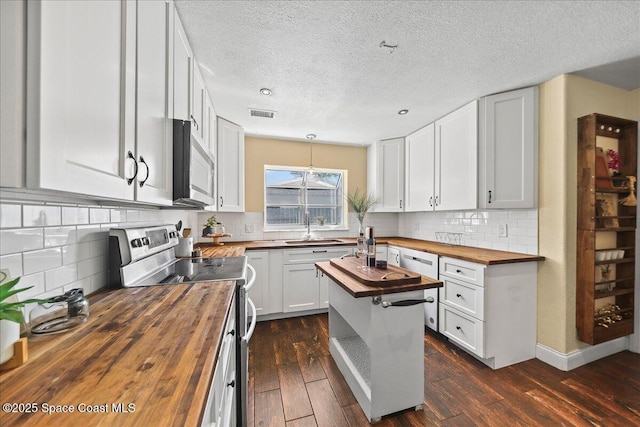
{"x":463,"y":296}
{"x":462,"y":329}
{"x":467,"y":271}
{"x":315,"y":254}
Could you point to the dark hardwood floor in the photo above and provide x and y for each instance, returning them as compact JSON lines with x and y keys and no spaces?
{"x":294,"y":382}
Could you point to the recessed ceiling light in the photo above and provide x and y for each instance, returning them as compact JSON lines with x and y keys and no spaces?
{"x":266,"y":91}
{"x":403,"y":112}
{"x":311,"y":136}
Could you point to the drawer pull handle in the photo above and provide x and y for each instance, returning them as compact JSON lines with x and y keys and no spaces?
{"x":231,"y":384}
{"x":231,"y":332}
{"x":459,"y":272}
{"x":458,"y":328}
{"x":320,"y":252}
{"x":459,"y":296}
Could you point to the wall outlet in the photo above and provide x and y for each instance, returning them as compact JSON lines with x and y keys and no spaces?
{"x":249,"y":228}
{"x":503,"y":231}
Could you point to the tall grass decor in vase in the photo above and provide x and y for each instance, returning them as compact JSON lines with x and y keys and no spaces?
{"x":361,"y":203}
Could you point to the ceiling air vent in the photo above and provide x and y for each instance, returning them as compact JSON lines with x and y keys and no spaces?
{"x":262,"y":113}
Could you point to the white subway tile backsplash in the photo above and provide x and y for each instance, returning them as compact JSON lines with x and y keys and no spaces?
{"x":99,"y":215}
{"x":38,"y":215}
{"x":44,"y":259}
{"x":89,"y":267}
{"x":60,"y":276}
{"x":58,"y":236}
{"x":36,"y":281}
{"x":13,"y":263}
{"x":10,"y":216}
{"x":88,"y":233}
{"x":21,"y":240}
{"x":73,"y":215}
{"x":99,"y":248}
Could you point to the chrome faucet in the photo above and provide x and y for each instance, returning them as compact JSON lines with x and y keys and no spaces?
{"x":307,"y":235}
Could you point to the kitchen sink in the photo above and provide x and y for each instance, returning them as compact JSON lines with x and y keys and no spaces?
{"x":302,"y":241}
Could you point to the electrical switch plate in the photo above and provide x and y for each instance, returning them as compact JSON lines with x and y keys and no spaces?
{"x":502,"y":230}
{"x":249,"y":228}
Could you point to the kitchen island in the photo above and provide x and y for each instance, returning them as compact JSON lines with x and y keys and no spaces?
{"x":376,"y":333}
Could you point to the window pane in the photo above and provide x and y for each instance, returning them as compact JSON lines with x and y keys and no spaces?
{"x":284,"y":196}
{"x":277,"y":215}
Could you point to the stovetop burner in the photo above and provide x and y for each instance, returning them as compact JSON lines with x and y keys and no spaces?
{"x":199,"y":270}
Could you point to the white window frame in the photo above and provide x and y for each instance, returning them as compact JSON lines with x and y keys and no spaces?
{"x":303,"y":227}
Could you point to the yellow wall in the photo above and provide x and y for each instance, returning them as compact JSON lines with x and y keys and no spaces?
{"x":263,"y":151}
{"x":562,"y":101}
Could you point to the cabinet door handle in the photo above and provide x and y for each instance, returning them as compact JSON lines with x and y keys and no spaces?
{"x":320,"y":252}
{"x":231,"y":384}
{"x":148,"y":172}
{"x":459,"y":296}
{"x":489,"y":196}
{"x":437,"y":204}
{"x":431,"y":201}
{"x":231,"y":332}
{"x":221,"y":201}
{"x":458,"y":328}
{"x":195,"y":122}
{"x":135,"y":170}
{"x":400,"y":204}
{"x":316,"y":272}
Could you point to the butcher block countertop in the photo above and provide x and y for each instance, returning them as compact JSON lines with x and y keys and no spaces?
{"x":467,"y":253}
{"x":148,"y":352}
{"x":358,"y":290}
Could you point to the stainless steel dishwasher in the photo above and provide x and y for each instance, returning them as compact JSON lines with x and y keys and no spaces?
{"x":426,"y":264}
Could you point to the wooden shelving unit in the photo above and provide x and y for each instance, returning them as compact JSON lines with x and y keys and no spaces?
{"x":605,"y":288}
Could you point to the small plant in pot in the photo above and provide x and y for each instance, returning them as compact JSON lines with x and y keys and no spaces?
{"x":11,"y":315}
{"x":209,"y":226}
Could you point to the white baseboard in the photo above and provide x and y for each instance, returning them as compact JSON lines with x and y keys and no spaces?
{"x":576,"y":358}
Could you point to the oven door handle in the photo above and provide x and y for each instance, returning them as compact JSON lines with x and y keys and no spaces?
{"x":251,"y":281}
{"x":252,"y":327}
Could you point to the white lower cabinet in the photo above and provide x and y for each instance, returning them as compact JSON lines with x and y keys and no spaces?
{"x":221,"y":402}
{"x":304,"y":287}
{"x":259,"y":293}
{"x":393,"y":257}
{"x":489,"y":310}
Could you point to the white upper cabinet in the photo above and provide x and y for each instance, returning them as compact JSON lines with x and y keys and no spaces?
{"x":456,"y":159}
{"x":79,"y":129}
{"x":390,"y":175}
{"x":210,"y":127}
{"x":97,"y":99}
{"x":419,"y":180}
{"x":230,"y":166}
{"x":154,"y":137}
{"x":198,"y":104}
{"x":182,"y":71}
{"x":509,"y":150}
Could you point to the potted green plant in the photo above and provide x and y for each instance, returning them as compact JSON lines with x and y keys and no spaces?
{"x":209,"y":225}
{"x":321,"y":220}
{"x":361,"y":202}
{"x":11,"y":315}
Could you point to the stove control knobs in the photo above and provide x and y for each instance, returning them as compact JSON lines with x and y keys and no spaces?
{"x":136,"y":243}
{"x":145,"y":241}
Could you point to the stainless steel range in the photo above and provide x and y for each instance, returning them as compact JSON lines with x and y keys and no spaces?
{"x":145,"y":256}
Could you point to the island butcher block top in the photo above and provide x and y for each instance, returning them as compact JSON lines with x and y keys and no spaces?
{"x":372,"y":283}
{"x":145,"y":357}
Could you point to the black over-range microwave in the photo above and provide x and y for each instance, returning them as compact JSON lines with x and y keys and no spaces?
{"x":193,"y":169}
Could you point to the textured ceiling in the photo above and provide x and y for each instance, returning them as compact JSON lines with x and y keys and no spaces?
{"x":330,"y":77}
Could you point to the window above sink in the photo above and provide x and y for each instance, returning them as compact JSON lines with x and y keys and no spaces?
{"x":301,"y":199}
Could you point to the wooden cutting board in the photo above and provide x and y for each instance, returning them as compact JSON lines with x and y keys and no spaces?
{"x":374,"y":276}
